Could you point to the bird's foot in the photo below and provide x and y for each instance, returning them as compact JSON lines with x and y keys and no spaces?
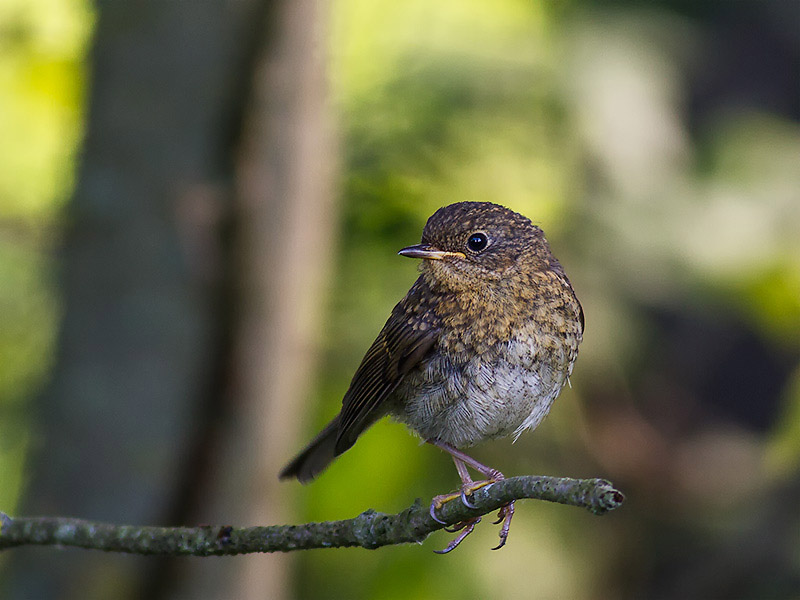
{"x":466,"y":527}
{"x":466,"y":490}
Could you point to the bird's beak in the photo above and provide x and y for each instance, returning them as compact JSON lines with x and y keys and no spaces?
{"x":429,"y":252}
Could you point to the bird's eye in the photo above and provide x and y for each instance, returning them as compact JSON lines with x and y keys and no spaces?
{"x":477,"y":241}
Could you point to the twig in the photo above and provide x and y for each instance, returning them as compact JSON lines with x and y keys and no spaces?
{"x":370,"y":529}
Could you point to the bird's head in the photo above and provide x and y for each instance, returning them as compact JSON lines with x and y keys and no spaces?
{"x":472,"y":245}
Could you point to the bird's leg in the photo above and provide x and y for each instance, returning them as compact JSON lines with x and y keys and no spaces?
{"x":462,"y":461}
{"x":466,"y":487}
{"x":464,"y":527}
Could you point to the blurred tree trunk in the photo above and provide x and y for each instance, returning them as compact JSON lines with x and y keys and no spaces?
{"x":284,"y":184}
{"x":150,"y":360}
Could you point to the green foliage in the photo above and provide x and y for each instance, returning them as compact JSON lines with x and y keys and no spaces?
{"x":573,"y":118}
{"x":42,"y":43}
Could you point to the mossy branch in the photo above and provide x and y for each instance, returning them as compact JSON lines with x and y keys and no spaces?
{"x":370,"y":529}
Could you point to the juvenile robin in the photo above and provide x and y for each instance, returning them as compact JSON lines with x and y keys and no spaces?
{"x":478,"y":349}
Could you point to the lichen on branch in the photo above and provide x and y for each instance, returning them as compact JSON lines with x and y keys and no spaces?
{"x":370,"y":529}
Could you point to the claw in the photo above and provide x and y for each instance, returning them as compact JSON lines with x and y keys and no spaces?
{"x":501,"y":514}
{"x":465,"y":501}
{"x":432,"y":513}
{"x":502,"y":543}
{"x":439,"y":502}
{"x":468,"y":487}
{"x":468,"y":526}
{"x":505,"y":514}
{"x":465,"y":527}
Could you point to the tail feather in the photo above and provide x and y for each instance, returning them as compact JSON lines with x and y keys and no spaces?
{"x":315,"y":457}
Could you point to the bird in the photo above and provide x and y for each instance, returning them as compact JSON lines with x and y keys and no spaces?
{"x":478,"y":349}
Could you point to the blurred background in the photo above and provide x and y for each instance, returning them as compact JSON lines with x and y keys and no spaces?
{"x":200,"y":205}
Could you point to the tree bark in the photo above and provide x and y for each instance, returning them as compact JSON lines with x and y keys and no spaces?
{"x":369,"y":530}
{"x":286,"y":222}
{"x":143,"y":340}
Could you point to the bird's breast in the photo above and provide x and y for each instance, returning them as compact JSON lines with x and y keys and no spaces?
{"x":463,"y":396}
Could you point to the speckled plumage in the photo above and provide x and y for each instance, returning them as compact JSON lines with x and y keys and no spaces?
{"x":478,"y":349}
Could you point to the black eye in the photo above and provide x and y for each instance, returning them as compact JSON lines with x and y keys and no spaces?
{"x":477,"y":241}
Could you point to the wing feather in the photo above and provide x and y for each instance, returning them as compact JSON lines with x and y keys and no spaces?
{"x":402,"y":343}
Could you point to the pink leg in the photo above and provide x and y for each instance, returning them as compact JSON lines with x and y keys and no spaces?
{"x":462,"y":461}
{"x":487,"y":472}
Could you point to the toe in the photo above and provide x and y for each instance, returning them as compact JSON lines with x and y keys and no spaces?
{"x":468,"y":526}
{"x":507,"y":512}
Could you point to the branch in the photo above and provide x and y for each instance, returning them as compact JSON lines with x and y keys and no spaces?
{"x":370,"y":529}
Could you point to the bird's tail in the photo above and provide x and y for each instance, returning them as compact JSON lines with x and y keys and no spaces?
{"x":315,"y":457}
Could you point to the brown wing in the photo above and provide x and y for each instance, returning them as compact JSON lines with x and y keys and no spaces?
{"x":401,"y":344}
